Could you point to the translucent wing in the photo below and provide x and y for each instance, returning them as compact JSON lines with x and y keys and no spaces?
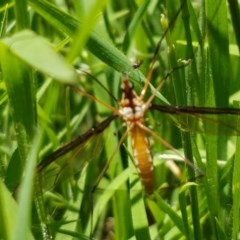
{"x":81,"y":149}
{"x":75,"y":143}
{"x":204,"y":119}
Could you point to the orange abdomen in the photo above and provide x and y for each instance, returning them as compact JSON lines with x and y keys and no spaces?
{"x":142,"y":157}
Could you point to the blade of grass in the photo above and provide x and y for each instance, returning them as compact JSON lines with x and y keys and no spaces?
{"x":98,"y":45}
{"x":219,"y":50}
{"x":180,"y":83}
{"x":236,"y":192}
{"x":138,"y":209}
{"x":235,"y":15}
{"x":83,"y":33}
{"x":170,"y":212}
{"x":211,"y":170}
{"x":44,"y":59}
{"x":22,"y":14}
{"x":120,"y":200}
{"x":19,"y":80}
{"x":187,"y":145}
{"x":219,"y":74}
{"x":133,"y":25}
{"x":4,"y":20}
{"x":8,"y":213}
{"x":103,"y":200}
{"x":23,"y":217}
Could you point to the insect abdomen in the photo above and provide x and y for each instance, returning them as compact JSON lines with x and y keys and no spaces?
{"x":142,"y":157}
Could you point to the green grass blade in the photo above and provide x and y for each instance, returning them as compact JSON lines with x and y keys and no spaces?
{"x":19,"y":80}
{"x":83,"y":33}
{"x":99,"y":46}
{"x":235,"y":15}
{"x":133,"y":25}
{"x":171,"y":213}
{"x":8,"y":212}
{"x":23,"y":217}
{"x":22,"y":15}
{"x":236,"y":192}
{"x":139,"y":216}
{"x":44,"y":59}
{"x":219,"y":49}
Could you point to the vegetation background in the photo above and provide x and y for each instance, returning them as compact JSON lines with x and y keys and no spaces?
{"x":40,"y":110}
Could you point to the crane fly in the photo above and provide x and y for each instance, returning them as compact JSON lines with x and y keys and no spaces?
{"x":132,"y":109}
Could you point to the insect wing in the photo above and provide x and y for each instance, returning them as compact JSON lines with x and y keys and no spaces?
{"x":222,"y":121}
{"x":83,"y":149}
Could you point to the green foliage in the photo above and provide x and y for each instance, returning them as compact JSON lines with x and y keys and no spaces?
{"x":45,"y":103}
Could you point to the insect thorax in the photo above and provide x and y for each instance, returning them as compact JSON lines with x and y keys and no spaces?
{"x":132,"y":108}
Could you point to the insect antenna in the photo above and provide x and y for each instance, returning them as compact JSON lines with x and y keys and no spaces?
{"x":154,"y":59}
{"x":79,"y":71}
